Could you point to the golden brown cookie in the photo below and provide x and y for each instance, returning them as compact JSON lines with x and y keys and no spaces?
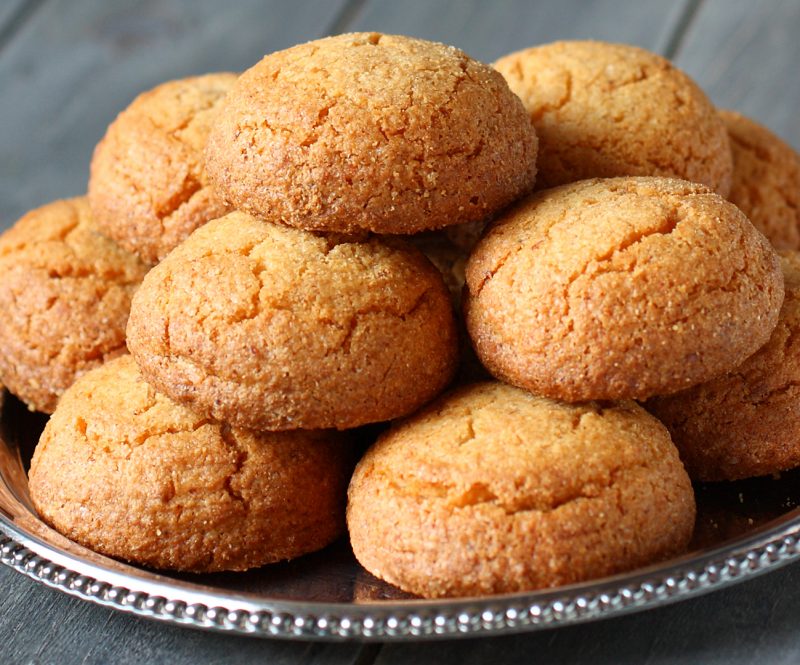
{"x":622,"y":288}
{"x":493,"y":490}
{"x":64,"y":297}
{"x":747,"y":422}
{"x":370,"y":131}
{"x":766,"y":180}
{"x":606,"y":110}
{"x":148,"y":188}
{"x":123,"y":470}
{"x":271,"y":327}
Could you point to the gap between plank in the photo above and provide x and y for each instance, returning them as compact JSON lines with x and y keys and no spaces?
{"x":345,"y":17}
{"x":17,"y":20}
{"x":676,"y":39}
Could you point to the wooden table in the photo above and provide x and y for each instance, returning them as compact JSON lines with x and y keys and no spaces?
{"x":68,"y":66}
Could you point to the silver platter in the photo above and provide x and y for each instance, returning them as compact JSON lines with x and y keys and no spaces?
{"x":744,"y":529}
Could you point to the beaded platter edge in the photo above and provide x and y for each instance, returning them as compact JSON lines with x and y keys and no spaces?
{"x":413,"y":620}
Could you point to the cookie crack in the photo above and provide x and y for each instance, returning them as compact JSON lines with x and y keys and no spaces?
{"x":776,"y":393}
{"x":62,"y":235}
{"x":320,"y":121}
{"x":479,"y":493}
{"x":355,"y":320}
{"x":561,"y":102}
{"x":191,"y":187}
{"x":145,"y":437}
{"x":604,"y":263}
{"x":242,"y":455}
{"x":760,"y":153}
{"x":470,"y":436}
{"x":491,"y":272}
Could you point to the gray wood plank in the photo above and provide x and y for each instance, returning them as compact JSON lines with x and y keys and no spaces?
{"x":8,"y":11}
{"x":752,"y":622}
{"x":487,"y":30}
{"x":43,"y":627}
{"x":745,"y":55}
{"x":76,"y":63}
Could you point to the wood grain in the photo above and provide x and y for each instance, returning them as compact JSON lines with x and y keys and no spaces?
{"x":69,"y":67}
{"x":77,"y":63}
{"x":38,"y":625}
{"x":746,"y":55}
{"x":753,"y":622}
{"x":13,"y":15}
{"x":488,"y":30}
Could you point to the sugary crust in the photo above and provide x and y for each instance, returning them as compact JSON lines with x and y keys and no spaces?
{"x":607,"y":110}
{"x":126,"y":472}
{"x":766,"y":180}
{"x":494,"y":490}
{"x":271,"y":327}
{"x":65,"y":296}
{"x":148,"y":188}
{"x":747,"y":422}
{"x":369,"y":131}
{"x":620,"y":288}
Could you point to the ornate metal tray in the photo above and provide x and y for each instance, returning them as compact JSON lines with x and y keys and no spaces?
{"x":743,"y":529}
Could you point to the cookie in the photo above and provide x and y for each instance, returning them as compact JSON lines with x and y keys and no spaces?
{"x":64,"y":296}
{"x":123,"y":470}
{"x":369,"y":131}
{"x":148,"y":187}
{"x":766,"y":180}
{"x":747,"y":422}
{"x":494,"y":490}
{"x":270,"y":327}
{"x":607,"y":110}
{"x":622,"y":288}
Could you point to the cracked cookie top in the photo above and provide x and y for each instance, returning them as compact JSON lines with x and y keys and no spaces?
{"x":368,"y":131}
{"x":493,"y":490}
{"x":747,"y":422}
{"x":123,"y":470}
{"x":148,"y":188}
{"x":606,"y":110}
{"x":766,"y":180}
{"x":271,"y":327}
{"x":620,"y":288}
{"x":65,"y":296}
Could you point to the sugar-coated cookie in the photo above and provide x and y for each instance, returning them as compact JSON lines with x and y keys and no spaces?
{"x":766,"y":180}
{"x":606,"y":110}
{"x":493,"y":490}
{"x":621,"y":288}
{"x":368,"y":131}
{"x":123,"y":470}
{"x":65,"y":294}
{"x":747,"y":422}
{"x":271,"y":327}
{"x":148,"y":188}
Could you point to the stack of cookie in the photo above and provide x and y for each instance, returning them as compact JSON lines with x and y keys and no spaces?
{"x":312,"y":223}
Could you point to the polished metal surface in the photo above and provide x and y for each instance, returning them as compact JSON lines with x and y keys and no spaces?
{"x":743,"y":529}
